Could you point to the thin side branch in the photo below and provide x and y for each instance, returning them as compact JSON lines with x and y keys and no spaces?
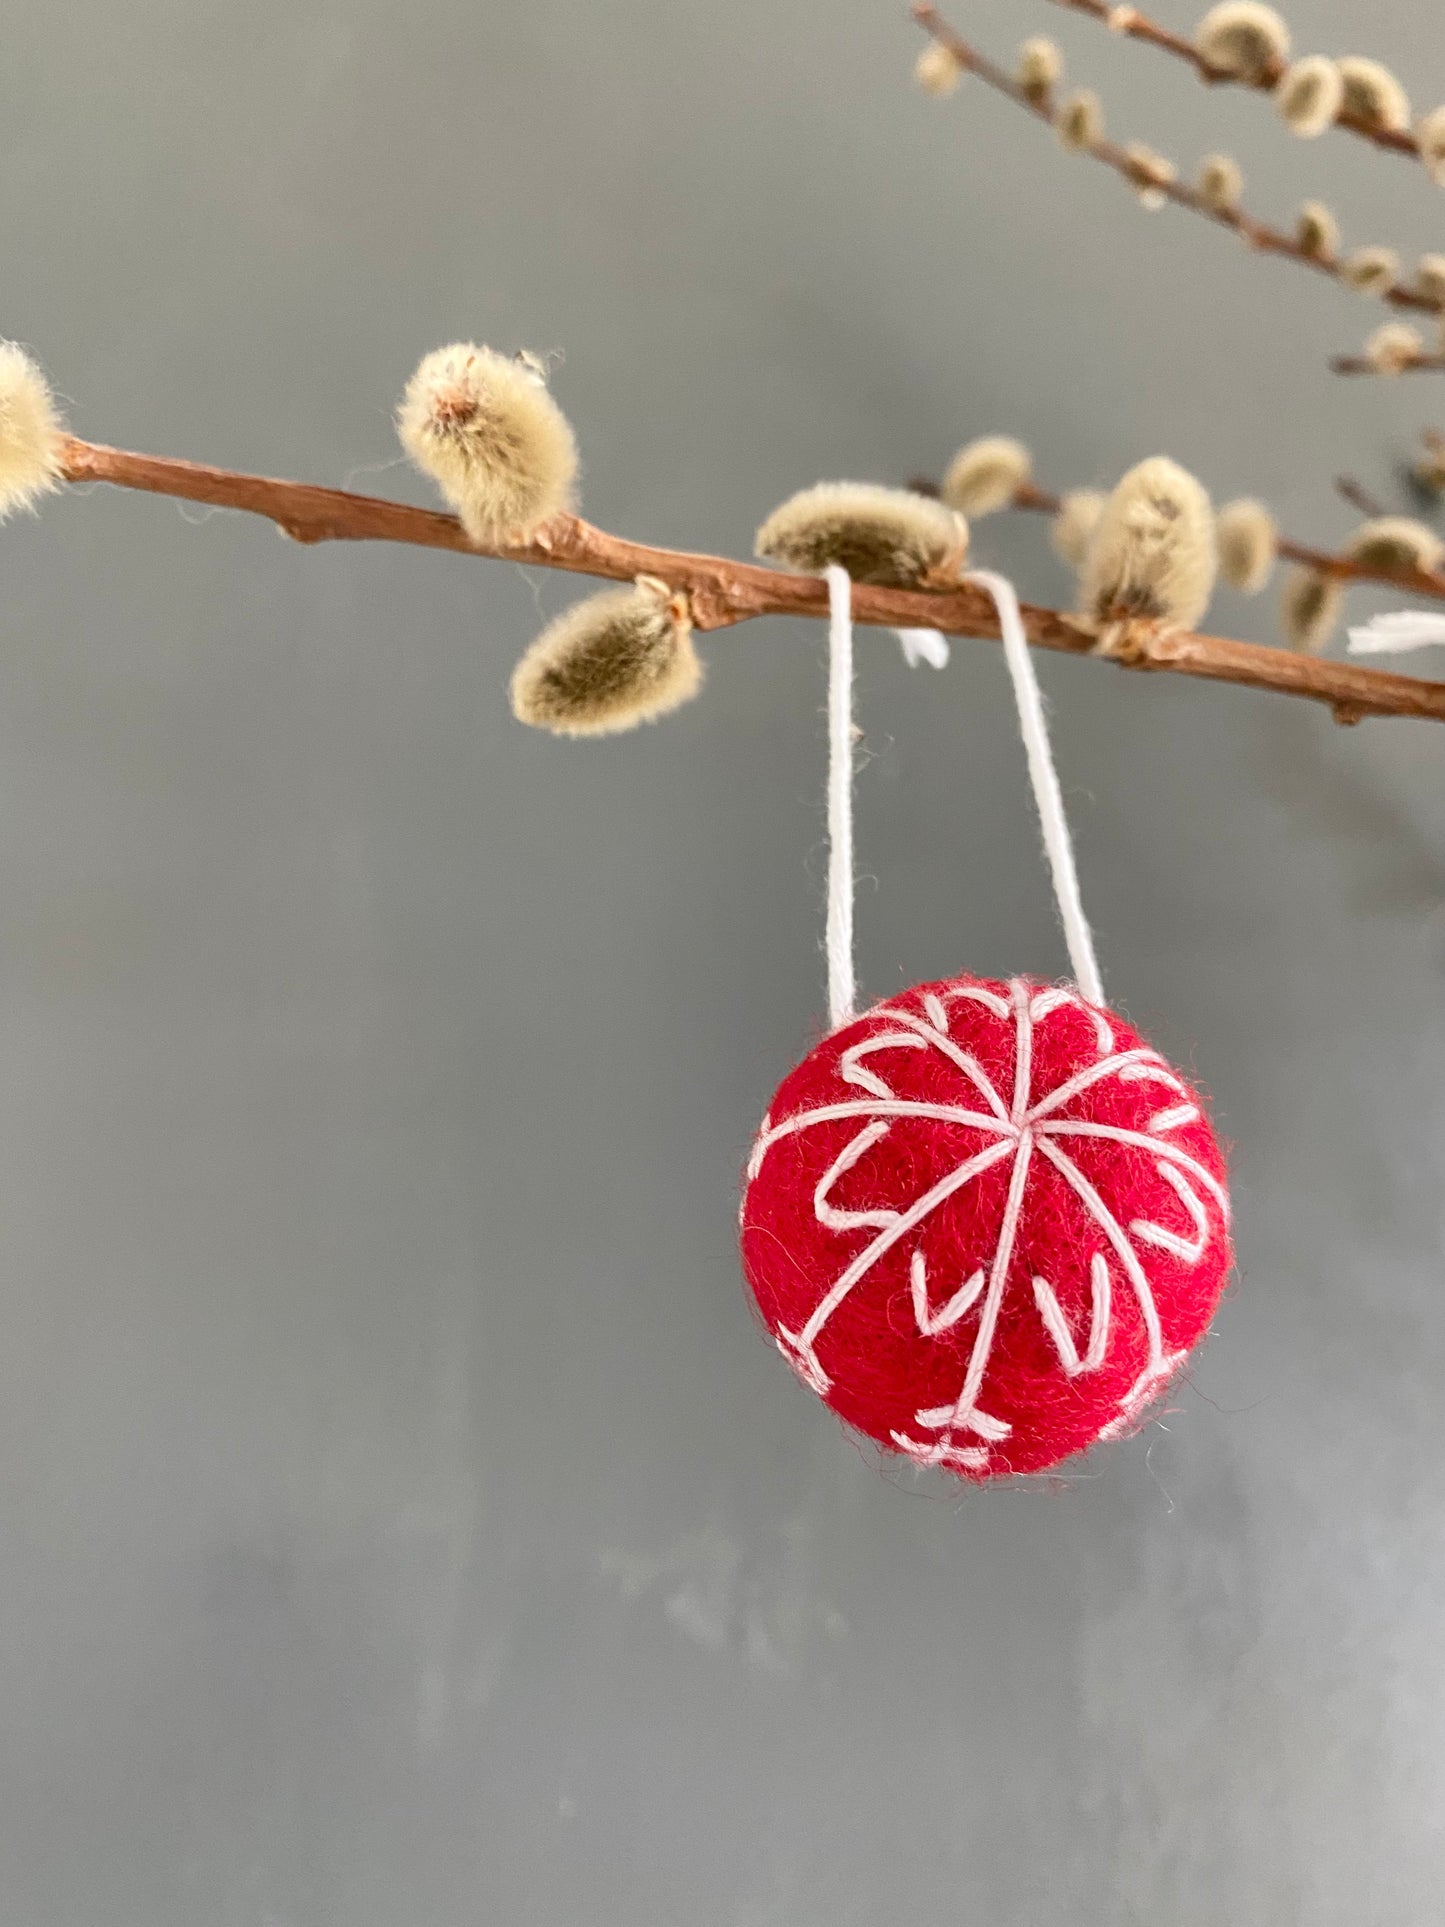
{"x":722,"y":592}
{"x":1137,"y":26}
{"x":1359,"y":497}
{"x":1260,"y":236}
{"x":1322,"y":561}
{"x":1363,"y":365}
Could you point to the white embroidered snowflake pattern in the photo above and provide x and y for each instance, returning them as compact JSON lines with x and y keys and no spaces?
{"x":1026,"y":1127}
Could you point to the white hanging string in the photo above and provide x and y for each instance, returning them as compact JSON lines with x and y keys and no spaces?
{"x":1058,"y":845}
{"x":842,"y":985}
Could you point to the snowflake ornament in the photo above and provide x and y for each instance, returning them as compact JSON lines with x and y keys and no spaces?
{"x":986,"y":1223}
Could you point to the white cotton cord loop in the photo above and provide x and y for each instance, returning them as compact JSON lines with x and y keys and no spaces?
{"x":842,"y":985}
{"x":1058,"y":845}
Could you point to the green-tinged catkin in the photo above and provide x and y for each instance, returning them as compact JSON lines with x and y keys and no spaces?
{"x":618,"y":659}
{"x":887,"y":536}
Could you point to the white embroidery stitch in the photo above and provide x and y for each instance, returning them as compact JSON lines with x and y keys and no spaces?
{"x":1191,"y":1250}
{"x":932,"y":1322}
{"x":1052,"y":1313}
{"x":1016,"y":1131}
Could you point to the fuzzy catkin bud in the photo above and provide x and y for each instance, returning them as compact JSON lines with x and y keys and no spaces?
{"x":1220,"y":183}
{"x":1317,"y":232}
{"x":1394,"y":347}
{"x":1430,"y":139}
{"x":485,"y":429}
{"x":1310,"y":609}
{"x":31,"y":434}
{"x":985,"y":475}
{"x":618,"y":659}
{"x":1150,"y":174}
{"x":1080,"y":123}
{"x":1430,"y":278}
{"x":1373,"y":95}
{"x":1248,"y":543}
{"x":1394,"y":544}
{"x":1040,"y":68}
{"x":1153,"y":551}
{"x":1310,"y":95}
{"x":1429,"y":471}
{"x":1370,"y":270}
{"x":937,"y":70}
{"x":1242,"y":38}
{"x":1072,"y":529}
{"x":887,"y":536}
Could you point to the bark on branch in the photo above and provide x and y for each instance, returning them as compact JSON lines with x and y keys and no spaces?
{"x":724,"y":592}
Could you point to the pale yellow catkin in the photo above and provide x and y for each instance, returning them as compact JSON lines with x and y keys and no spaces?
{"x":1317,"y":231}
{"x":1243,"y":38}
{"x":887,"y":536}
{"x":1370,"y":270}
{"x":1080,"y":122}
{"x":1040,"y":68}
{"x":1072,"y":529}
{"x":1373,"y":95}
{"x":1430,"y":278}
{"x":1394,"y":347}
{"x":1150,"y":173}
{"x":1430,"y":139}
{"x":937,"y":70}
{"x":1396,"y":544}
{"x":1310,"y":609}
{"x":618,"y":659}
{"x":1248,"y":543}
{"x":1310,"y":95}
{"x":985,"y":475}
{"x":486,"y":430}
{"x":1220,"y":183}
{"x":1429,"y":470}
{"x":1153,"y":552}
{"x":31,"y":433}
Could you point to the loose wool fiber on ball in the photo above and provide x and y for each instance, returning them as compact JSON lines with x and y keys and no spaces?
{"x":986,"y":1223}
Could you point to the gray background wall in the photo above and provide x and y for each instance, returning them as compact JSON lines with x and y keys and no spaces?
{"x":402,"y":1522}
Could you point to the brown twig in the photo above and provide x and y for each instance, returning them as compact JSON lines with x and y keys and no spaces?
{"x":1260,"y":236}
{"x":1359,"y":497}
{"x":1137,"y":26}
{"x":1362,"y":365}
{"x":722,"y":592}
{"x":1322,"y":561}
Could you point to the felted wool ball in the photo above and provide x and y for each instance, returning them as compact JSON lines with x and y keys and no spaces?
{"x":985,"y":1223}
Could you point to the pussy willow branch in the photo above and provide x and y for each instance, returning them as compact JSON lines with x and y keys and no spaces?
{"x":722,"y":592}
{"x":1322,"y":561}
{"x":1259,"y":235}
{"x":1137,"y":26}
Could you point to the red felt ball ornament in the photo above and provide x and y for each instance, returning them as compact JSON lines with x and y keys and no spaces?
{"x":986,"y":1223}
